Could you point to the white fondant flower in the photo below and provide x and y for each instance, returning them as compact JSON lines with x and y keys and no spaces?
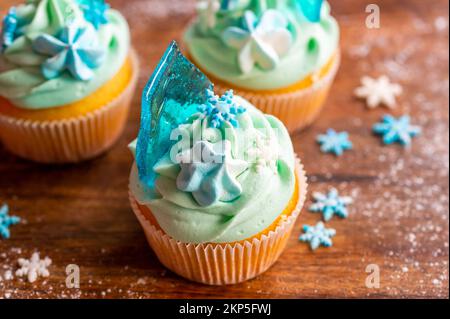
{"x":209,"y":9}
{"x":261,"y":42}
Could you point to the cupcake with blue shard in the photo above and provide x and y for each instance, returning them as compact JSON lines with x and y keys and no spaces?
{"x":216,"y":184}
{"x":281,"y":55}
{"x":67,"y":75}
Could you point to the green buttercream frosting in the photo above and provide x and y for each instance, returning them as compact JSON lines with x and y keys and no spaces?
{"x":21,"y":77}
{"x":266,"y":181}
{"x":284,"y":60}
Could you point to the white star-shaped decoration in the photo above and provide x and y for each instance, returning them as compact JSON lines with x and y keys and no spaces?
{"x":261,"y":41}
{"x":210,"y":8}
{"x":34,"y":267}
{"x":378,"y":92}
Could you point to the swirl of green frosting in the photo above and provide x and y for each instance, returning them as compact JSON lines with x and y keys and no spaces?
{"x":267,"y":183}
{"x":21,"y":79}
{"x":313,"y":45}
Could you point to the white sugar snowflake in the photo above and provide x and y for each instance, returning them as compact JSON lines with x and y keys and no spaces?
{"x":378,"y":91}
{"x":34,"y":267}
{"x":264,"y":154}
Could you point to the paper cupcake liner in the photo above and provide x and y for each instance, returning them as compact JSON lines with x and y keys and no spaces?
{"x":70,"y":140}
{"x":222,"y":264}
{"x":296,"y":110}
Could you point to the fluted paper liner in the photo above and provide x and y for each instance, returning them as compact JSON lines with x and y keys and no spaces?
{"x":223,"y":264}
{"x":71,"y":140}
{"x":296,"y":110}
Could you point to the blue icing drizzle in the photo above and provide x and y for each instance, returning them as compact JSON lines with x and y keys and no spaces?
{"x":74,"y":49}
{"x":171,"y":96}
{"x":209,"y":172}
{"x":311,"y":9}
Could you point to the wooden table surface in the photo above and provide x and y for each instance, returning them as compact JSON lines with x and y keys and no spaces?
{"x":79,"y":214}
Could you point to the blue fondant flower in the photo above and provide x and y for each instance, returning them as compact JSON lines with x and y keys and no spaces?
{"x":209,"y":172}
{"x":95,"y":11}
{"x":220,"y":110}
{"x":317,"y":235}
{"x":74,"y":49}
{"x":311,"y":9}
{"x":333,"y":142}
{"x":9,"y":29}
{"x":6,"y":221}
{"x":260,"y":42}
{"x":331,"y":204}
{"x":396,"y":130}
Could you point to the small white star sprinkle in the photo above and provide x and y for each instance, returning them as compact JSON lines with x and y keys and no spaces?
{"x":378,"y":91}
{"x":34,"y":267}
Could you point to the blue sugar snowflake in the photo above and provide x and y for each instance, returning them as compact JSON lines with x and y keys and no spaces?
{"x":6,"y":221}
{"x":9,"y":29}
{"x":396,"y":130}
{"x":331,"y":204}
{"x":95,"y":11}
{"x":221,"y":110}
{"x":333,"y":142}
{"x":317,"y":235}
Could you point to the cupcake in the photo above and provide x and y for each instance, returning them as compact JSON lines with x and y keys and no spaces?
{"x":67,"y":75}
{"x":281,"y":55}
{"x":216,"y":185}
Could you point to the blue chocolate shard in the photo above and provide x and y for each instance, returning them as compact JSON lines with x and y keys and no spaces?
{"x":172,"y":95}
{"x":311,"y":9}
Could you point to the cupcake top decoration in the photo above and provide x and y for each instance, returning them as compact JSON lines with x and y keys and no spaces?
{"x":311,"y":9}
{"x":74,"y":49}
{"x":265,"y":154}
{"x":262,"y":44}
{"x":260,"y":41}
{"x":174,"y":93}
{"x":95,"y":11}
{"x":9,"y":28}
{"x":209,"y":172}
{"x":220,"y":111}
{"x":209,"y":9}
{"x":210,"y":168}
{"x":56,"y":52}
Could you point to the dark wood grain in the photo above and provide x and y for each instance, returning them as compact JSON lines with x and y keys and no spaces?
{"x":80,"y":214}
